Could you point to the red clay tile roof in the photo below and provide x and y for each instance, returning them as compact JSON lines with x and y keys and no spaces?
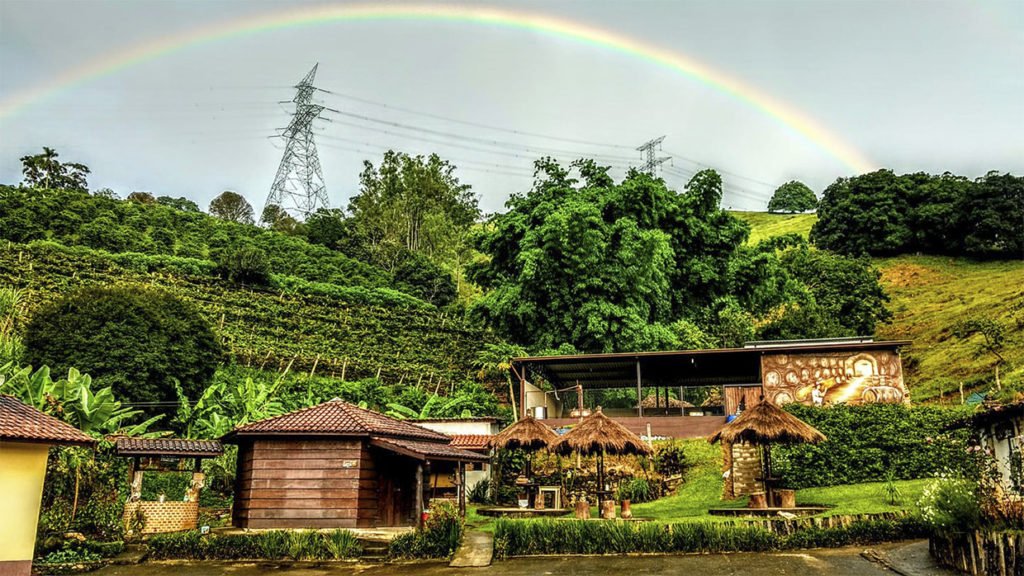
{"x":336,"y":418}
{"x":21,"y":422}
{"x":427,"y":450}
{"x":471,"y":441}
{"x":168,"y":447}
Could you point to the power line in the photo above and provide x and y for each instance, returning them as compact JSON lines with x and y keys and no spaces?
{"x":477,"y":140}
{"x":475,"y":124}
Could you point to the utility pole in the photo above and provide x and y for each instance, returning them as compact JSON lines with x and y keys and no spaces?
{"x":651,"y":160}
{"x":299,"y":184}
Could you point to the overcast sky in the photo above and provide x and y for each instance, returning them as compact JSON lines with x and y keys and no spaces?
{"x":913,"y":86}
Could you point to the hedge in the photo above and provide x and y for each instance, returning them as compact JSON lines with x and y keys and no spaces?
{"x":873,"y":441}
{"x":554,"y":537}
{"x":271,"y":545}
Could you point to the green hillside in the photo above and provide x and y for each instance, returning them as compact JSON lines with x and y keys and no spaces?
{"x":352,"y":329}
{"x":764,"y":225}
{"x":929,"y":295}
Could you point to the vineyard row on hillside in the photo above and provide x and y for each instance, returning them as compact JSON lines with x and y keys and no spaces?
{"x":270,"y":328}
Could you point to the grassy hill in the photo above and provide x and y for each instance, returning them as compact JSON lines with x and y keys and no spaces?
{"x":929,"y":295}
{"x":764,"y":225}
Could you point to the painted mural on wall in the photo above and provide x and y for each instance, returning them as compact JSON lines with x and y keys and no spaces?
{"x":834,"y":378}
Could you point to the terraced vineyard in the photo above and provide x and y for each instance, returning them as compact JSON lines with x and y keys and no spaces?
{"x":270,"y":328}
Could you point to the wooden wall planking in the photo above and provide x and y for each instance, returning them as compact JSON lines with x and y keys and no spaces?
{"x":320,"y":483}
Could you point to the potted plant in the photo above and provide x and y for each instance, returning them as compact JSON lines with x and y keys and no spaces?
{"x":624,"y":495}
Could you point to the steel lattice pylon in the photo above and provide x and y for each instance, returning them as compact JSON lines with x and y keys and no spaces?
{"x":651,"y":160}
{"x":299,"y":185}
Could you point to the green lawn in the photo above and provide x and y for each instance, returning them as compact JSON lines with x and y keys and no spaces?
{"x":702,"y":489}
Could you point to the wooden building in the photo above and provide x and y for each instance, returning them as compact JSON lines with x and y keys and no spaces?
{"x":336,"y":465}
{"x":670,"y":386}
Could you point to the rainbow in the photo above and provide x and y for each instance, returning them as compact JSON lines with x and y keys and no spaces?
{"x":481,"y":15}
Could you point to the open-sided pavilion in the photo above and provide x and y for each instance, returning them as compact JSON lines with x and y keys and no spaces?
{"x":850,"y":370}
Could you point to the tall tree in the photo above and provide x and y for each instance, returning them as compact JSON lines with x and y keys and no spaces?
{"x":413,"y":203}
{"x":233,"y":207}
{"x":866,"y":214}
{"x":604,"y":266}
{"x":792,"y":197}
{"x":996,"y":208}
{"x":45,"y":171}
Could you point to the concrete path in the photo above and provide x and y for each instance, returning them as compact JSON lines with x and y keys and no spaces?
{"x":476,"y":551}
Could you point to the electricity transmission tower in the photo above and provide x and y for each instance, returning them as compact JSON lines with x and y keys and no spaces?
{"x":651,"y":160}
{"x":299,"y":184}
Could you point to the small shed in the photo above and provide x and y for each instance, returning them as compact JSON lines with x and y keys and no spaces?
{"x":336,"y":465}
{"x":26,"y":435}
{"x":165,"y":455}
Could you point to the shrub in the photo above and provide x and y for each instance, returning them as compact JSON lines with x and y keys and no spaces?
{"x":178,"y":545}
{"x":670,"y":459}
{"x":636,"y":490}
{"x":135,"y":339}
{"x":480,"y":493}
{"x":439,"y":537}
{"x":245,"y":264}
{"x":951,"y":505}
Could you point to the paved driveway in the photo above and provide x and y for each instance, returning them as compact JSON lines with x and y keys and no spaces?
{"x":837,"y":562}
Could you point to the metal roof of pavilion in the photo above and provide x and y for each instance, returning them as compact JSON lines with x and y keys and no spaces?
{"x":679,"y":367}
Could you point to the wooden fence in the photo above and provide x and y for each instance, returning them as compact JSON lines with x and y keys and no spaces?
{"x":981,"y":553}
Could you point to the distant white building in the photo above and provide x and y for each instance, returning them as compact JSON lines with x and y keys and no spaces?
{"x":1001,"y":430}
{"x":473,"y":434}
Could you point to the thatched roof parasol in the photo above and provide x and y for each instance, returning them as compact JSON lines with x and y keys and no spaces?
{"x":652,"y":402}
{"x":598,"y":434}
{"x":766,"y":423}
{"x":528,"y":434}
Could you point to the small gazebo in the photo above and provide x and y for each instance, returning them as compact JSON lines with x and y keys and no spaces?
{"x":527,"y":434}
{"x":598,"y":435}
{"x":765,"y":424}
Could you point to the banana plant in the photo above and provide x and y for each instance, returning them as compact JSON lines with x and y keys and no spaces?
{"x":96,"y":413}
{"x":33,"y":388}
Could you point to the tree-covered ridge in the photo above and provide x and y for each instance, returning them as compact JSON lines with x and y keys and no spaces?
{"x":605,"y":266}
{"x":884,"y":214}
{"x":76,"y":218}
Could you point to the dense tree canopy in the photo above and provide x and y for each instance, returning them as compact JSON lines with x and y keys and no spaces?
{"x":138,"y":340}
{"x":629,"y":266}
{"x":881,"y":213}
{"x":793,"y":196}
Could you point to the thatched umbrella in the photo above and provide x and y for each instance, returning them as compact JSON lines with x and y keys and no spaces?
{"x":528,"y":434}
{"x":766,"y":424}
{"x":600,"y":435}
